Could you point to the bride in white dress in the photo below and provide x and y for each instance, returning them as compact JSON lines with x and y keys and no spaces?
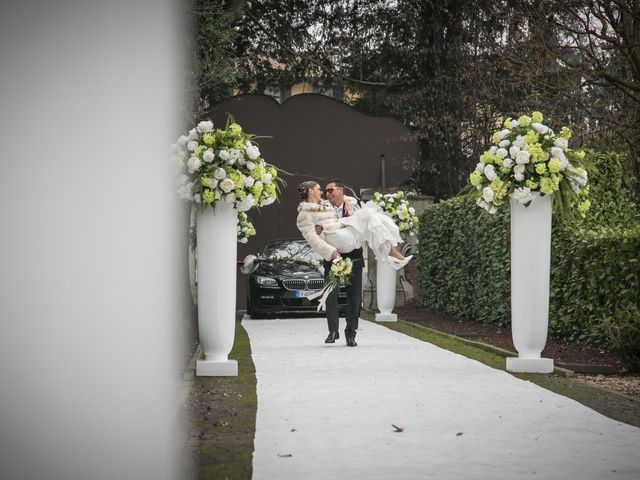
{"x":341,"y":235}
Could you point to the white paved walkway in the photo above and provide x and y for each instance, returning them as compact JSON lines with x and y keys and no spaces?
{"x":325,"y":412}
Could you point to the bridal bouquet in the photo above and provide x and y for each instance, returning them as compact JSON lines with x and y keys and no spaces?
{"x":338,"y":275}
{"x":225,"y":165}
{"x":397,"y":207}
{"x":529,"y":159}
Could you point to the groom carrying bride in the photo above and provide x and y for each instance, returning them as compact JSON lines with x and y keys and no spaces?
{"x":345,"y":206}
{"x":337,"y":227}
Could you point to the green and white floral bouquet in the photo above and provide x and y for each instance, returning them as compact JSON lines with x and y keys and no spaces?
{"x":225,"y":165}
{"x":396,"y":206}
{"x":339,"y":274}
{"x":529,"y":159}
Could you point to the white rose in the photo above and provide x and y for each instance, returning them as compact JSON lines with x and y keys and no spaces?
{"x":501,"y":153}
{"x":196,"y":198}
{"x":220,"y":174}
{"x":557,"y":152}
{"x":227,"y":185}
{"x":267,"y":201}
{"x":208,"y":156}
{"x":480,"y":167}
{"x":504,"y":143}
{"x":192,"y":145}
{"x":234,"y":156}
{"x":487,"y":194}
{"x":230,"y":198}
{"x":252,"y":151}
{"x":205,"y":126}
{"x":514,"y":124}
{"x":193,"y":135}
{"x":250,"y":165}
{"x":522,"y":157}
{"x":513,"y":151}
{"x":503,"y":133}
{"x":518,"y":177}
{"x":214,"y":183}
{"x":507,"y":163}
{"x":519,"y":141}
{"x":193,"y":164}
{"x":561,"y":143}
{"x":540,"y":128}
{"x":243,"y":240}
{"x":248,"y":181}
{"x":412,"y":210}
{"x":224,"y":155}
{"x":493,"y":149}
{"x":245,"y":203}
{"x":518,"y":169}
{"x":490,"y":173}
{"x":267,"y":178}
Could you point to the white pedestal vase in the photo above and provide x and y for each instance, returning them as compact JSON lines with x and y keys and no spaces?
{"x":530,"y":267}
{"x":386,"y":277}
{"x":217,"y":255}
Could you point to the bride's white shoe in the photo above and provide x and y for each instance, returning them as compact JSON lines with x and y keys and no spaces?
{"x":398,"y":264}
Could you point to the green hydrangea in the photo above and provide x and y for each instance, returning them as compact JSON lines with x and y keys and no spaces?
{"x":531,"y":185}
{"x":541,"y":168}
{"x":524,"y":121}
{"x":270,"y":189}
{"x":475,"y":178}
{"x":208,"y":196}
{"x":257,"y":188}
{"x":531,"y":137}
{"x":555,"y":165}
{"x":565,"y":133}
{"x":487,"y":157}
{"x":547,"y":185}
{"x":537,"y":153}
{"x":537,"y":117}
{"x":206,"y":181}
{"x":258,"y":172}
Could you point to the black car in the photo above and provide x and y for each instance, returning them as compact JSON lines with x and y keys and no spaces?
{"x":283,"y":273}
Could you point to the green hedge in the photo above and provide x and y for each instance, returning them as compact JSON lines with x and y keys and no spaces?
{"x":463,"y":261}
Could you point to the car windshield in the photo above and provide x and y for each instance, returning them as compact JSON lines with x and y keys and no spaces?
{"x":290,"y":248}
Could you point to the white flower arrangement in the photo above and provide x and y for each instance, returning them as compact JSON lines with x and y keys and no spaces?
{"x":527,"y":160}
{"x":396,"y":206}
{"x":225,"y":165}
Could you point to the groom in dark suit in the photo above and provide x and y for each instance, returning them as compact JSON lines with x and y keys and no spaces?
{"x":345,"y":206}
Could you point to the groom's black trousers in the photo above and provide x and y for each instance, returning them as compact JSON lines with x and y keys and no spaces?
{"x":354,"y":295}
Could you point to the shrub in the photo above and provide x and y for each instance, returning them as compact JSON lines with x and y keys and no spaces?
{"x":623,"y":331}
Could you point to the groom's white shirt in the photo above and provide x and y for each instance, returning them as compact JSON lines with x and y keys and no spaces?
{"x":353,"y":203}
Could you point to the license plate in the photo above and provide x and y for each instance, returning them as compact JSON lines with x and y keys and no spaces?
{"x":304,"y":293}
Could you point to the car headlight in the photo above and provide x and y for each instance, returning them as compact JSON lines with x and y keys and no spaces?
{"x":266,"y":282}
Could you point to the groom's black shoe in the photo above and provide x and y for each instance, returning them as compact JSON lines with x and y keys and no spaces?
{"x":351,"y":341}
{"x":333,"y":336}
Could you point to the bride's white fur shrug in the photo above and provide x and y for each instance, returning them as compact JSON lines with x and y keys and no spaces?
{"x":323,"y":214}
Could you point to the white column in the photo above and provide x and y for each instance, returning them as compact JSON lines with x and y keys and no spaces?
{"x":217,"y":255}
{"x":530,"y":265}
{"x":386,"y":277}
